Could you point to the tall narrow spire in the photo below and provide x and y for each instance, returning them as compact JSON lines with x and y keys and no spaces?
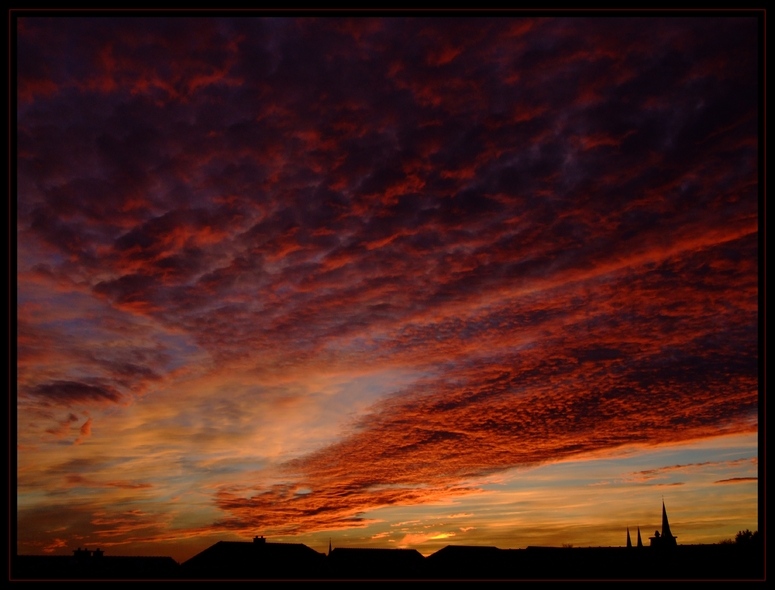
{"x":640,"y":543}
{"x":629,"y":541}
{"x":666,"y":534}
{"x":329,"y":545}
{"x":666,"y":538}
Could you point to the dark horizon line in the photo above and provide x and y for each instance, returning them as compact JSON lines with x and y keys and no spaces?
{"x":564,"y":546}
{"x":230,"y":561}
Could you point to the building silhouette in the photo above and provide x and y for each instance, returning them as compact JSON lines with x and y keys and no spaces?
{"x":86,"y":564}
{"x":255,"y":560}
{"x":666,"y":539}
{"x":351,"y":562}
{"x":472,"y":561}
{"x":262,"y":560}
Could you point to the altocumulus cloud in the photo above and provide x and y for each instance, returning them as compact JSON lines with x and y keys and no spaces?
{"x":553,"y":222}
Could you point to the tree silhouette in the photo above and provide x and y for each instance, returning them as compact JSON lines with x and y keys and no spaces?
{"x":747,"y":537}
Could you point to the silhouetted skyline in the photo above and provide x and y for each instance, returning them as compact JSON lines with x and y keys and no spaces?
{"x":262,"y":559}
{"x":385,"y":281}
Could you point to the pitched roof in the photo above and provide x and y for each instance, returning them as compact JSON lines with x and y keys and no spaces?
{"x":375,"y":563}
{"x":376,"y":555}
{"x":229,"y":559}
{"x":455,"y":552}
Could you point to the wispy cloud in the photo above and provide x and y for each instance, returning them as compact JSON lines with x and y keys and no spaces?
{"x":738,"y":480}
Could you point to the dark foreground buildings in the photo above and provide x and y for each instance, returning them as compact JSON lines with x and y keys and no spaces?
{"x":662,"y":559}
{"x":92,"y":565}
{"x":259,"y":559}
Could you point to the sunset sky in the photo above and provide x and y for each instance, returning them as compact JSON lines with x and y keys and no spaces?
{"x":388,"y":281}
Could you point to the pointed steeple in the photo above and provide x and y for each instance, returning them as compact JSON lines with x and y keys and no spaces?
{"x":640,"y":543}
{"x":329,"y":545}
{"x":666,"y":534}
{"x":629,"y":541}
{"x":667,"y":538}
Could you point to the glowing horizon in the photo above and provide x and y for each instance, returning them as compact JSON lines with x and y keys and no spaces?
{"x":396,"y":282}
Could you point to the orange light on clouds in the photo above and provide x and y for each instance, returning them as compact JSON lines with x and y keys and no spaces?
{"x":402,"y":282}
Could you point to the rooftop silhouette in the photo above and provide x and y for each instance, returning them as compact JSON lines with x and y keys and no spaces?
{"x":264,"y":560}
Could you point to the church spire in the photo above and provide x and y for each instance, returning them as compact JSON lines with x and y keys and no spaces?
{"x":666,"y":538}
{"x":640,"y":543}
{"x":666,"y":534}
{"x":329,"y":545}
{"x":629,"y":541}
